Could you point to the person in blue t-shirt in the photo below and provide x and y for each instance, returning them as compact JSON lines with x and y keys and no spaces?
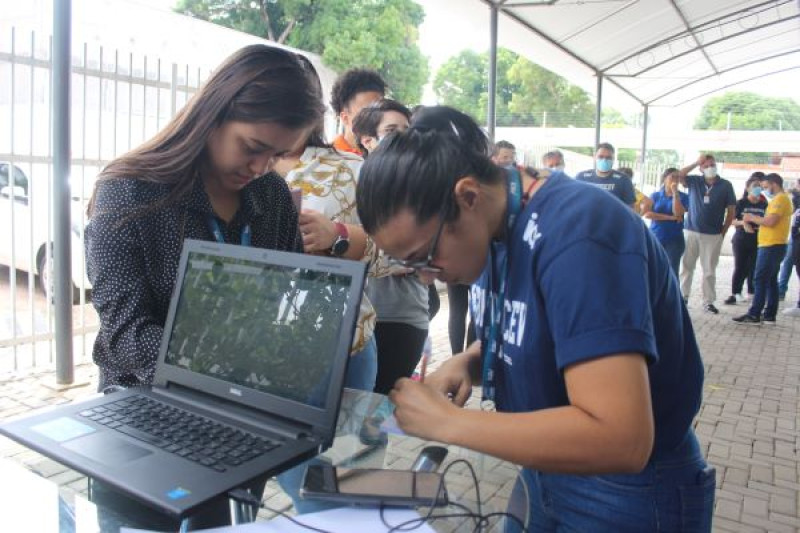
{"x":666,"y":216}
{"x":712,"y":207}
{"x":585,"y":345}
{"x":604,"y":177}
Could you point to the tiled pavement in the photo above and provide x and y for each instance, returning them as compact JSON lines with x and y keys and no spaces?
{"x":748,"y":423}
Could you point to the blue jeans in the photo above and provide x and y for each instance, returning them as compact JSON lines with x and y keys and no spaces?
{"x":673,"y":493}
{"x":362,"y":369}
{"x":765,"y":279}
{"x":675,"y":248}
{"x":786,"y":271}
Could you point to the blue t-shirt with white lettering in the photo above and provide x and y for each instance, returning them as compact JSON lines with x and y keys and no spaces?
{"x":708,"y":204}
{"x":586,"y":279}
{"x":616,"y":183}
{"x":667,"y":230}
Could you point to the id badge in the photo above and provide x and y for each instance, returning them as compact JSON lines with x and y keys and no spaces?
{"x":706,"y":199}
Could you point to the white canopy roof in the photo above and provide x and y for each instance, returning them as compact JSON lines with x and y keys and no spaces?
{"x":658,"y":52}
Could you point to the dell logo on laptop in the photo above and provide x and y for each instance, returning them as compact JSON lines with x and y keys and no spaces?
{"x":235,"y":392}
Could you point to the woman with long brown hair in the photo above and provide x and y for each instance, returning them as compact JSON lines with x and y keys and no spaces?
{"x":204,"y":176}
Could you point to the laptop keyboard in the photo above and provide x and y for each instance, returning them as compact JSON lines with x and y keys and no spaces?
{"x":174,"y":430}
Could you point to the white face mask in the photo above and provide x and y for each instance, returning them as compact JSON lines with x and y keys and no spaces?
{"x":710,"y":172}
{"x":557,"y":168}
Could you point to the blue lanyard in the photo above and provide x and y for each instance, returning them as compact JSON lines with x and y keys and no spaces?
{"x":213,"y":225}
{"x":493,"y":315}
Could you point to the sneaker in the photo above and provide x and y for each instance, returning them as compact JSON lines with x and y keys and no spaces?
{"x":709,"y":308}
{"x":731,"y":300}
{"x":792,"y":311}
{"x":768,"y":320}
{"x":740,"y":299}
{"x":747,"y":319}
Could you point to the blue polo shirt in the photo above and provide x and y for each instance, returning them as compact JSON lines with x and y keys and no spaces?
{"x":667,"y":230}
{"x":616,"y":183}
{"x":708,"y":216}
{"x":587,"y":279}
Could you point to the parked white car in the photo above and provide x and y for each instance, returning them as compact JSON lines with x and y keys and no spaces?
{"x":25,"y":236}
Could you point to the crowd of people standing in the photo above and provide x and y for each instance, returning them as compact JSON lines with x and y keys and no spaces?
{"x":586,"y":400}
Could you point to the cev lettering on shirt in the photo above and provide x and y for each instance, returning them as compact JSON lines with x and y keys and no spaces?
{"x":515,"y":314}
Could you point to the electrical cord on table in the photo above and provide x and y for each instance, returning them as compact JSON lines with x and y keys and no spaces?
{"x":481,"y":521}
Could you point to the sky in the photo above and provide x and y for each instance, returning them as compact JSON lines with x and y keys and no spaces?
{"x":439,"y":42}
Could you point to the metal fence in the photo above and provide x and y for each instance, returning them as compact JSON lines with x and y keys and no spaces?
{"x":118,"y":101}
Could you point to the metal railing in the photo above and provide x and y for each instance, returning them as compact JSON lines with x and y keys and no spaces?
{"x":118,"y":101}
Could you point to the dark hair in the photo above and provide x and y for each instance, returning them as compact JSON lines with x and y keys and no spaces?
{"x":607,"y":146}
{"x":502,"y":145}
{"x":418,"y":169}
{"x":667,"y":172}
{"x":353,"y":82}
{"x":553,"y":154}
{"x":628,"y":171}
{"x":368,"y":119}
{"x":772,"y":177}
{"x":755,"y":177}
{"x":258,"y":83}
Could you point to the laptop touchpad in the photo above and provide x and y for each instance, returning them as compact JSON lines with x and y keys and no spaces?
{"x":106,"y":449}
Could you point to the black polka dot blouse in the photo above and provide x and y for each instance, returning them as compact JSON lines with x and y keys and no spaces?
{"x":132,"y":260}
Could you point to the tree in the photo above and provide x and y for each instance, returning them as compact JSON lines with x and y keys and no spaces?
{"x":376,"y":34}
{"x":749,"y":111}
{"x":525,"y":91}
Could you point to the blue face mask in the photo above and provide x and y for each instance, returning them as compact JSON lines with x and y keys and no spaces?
{"x":767,"y":193}
{"x":756,"y":191}
{"x":604,"y":165}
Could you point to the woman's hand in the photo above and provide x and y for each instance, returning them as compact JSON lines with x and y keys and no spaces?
{"x":319,"y":232}
{"x":422,"y":410}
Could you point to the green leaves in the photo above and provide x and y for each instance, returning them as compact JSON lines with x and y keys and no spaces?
{"x":749,"y":111}
{"x":525,"y":91}
{"x":377,"y":34}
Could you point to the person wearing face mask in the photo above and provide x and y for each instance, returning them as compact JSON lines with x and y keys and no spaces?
{"x":642,"y":204}
{"x":745,"y":239}
{"x":553,"y":161}
{"x":606,"y":178}
{"x":712,"y":207}
{"x":795,"y":236}
{"x":772,"y":238}
{"x":401,"y":300}
{"x":665,"y":211}
{"x":788,"y":261}
{"x":504,"y":154}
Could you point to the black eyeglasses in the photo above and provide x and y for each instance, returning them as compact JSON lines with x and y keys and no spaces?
{"x":426,"y":265}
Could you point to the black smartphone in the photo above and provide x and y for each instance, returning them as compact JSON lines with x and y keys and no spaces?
{"x":367,"y":486}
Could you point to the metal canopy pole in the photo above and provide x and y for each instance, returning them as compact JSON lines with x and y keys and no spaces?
{"x":644,"y":135}
{"x":62,"y":261}
{"x":599,"y":109}
{"x":492,"y":111}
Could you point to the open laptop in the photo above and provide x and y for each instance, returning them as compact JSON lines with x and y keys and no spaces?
{"x":248,"y":381}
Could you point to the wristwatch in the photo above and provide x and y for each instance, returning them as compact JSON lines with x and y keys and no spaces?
{"x":342,"y":242}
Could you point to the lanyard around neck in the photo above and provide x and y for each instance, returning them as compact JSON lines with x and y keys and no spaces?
{"x":493,"y":315}
{"x":213,"y":225}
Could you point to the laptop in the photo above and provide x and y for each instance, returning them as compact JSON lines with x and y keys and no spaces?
{"x":248,"y":381}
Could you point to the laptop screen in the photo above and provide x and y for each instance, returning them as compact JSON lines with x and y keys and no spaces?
{"x":267,"y":327}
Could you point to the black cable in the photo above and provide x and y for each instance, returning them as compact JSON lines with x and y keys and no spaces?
{"x":481,"y":521}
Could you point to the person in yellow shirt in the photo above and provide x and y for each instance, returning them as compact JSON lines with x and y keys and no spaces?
{"x":772,"y":238}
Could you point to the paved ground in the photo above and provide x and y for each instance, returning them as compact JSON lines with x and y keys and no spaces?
{"x":748,"y":423}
